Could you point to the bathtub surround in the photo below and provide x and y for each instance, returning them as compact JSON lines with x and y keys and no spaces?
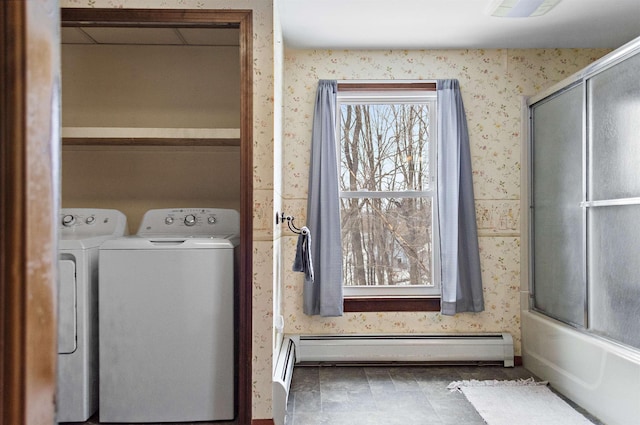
{"x":580,"y":308}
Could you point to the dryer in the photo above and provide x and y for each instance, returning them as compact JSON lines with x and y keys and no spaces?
{"x":167,"y":318}
{"x":81,"y":232}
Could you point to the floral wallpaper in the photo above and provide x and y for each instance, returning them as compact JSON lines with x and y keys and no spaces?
{"x":493,"y":83}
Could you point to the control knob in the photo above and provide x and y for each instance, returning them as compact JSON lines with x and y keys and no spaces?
{"x":68,"y":220}
{"x":211,"y":220}
{"x":90,"y":220}
{"x":190,"y":220}
{"x":168,"y":220}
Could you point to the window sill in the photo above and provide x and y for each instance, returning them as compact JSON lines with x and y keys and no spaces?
{"x":376,"y":304}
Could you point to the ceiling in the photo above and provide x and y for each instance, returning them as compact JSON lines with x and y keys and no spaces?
{"x":453,"y":24}
{"x":151,"y":36}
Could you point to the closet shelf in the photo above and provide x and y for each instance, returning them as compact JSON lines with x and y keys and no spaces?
{"x":150,"y":136}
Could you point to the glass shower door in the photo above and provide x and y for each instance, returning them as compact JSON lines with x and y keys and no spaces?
{"x":614,"y":202}
{"x":559,"y":281}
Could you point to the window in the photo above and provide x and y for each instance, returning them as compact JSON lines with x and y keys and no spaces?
{"x":387,"y":173}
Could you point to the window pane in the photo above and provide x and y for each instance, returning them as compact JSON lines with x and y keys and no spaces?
{"x":384,"y":147}
{"x":387,"y":241}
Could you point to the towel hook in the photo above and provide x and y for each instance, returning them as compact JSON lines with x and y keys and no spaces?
{"x":281,"y":218}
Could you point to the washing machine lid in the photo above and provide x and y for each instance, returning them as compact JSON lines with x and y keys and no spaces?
{"x":166,"y":243}
{"x":219,"y":223}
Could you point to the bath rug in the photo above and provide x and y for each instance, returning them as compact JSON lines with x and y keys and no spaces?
{"x":522,"y":402}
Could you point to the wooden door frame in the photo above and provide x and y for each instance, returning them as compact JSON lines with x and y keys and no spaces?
{"x":29,"y":201}
{"x":243,"y":19}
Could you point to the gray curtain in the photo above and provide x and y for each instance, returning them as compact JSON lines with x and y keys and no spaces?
{"x":459,"y":256}
{"x":323,"y":294}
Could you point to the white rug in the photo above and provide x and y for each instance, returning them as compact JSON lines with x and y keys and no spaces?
{"x":522,"y":402}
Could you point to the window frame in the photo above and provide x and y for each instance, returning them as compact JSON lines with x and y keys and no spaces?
{"x":395,"y":298}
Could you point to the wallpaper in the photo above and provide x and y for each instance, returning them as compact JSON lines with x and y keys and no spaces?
{"x":493,"y":83}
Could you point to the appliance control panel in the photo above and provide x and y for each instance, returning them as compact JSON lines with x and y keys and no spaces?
{"x":190,"y":222}
{"x":91,"y":222}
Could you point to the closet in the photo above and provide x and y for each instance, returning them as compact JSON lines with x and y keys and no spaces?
{"x":157,"y":112}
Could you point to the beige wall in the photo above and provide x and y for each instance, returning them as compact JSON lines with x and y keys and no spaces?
{"x":493,"y":83}
{"x":150,"y":86}
{"x":136,"y":179}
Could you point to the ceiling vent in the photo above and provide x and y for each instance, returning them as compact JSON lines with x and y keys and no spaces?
{"x":521,"y":8}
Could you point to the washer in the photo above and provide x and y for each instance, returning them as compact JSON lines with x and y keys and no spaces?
{"x":167,"y":318}
{"x":81,"y":232}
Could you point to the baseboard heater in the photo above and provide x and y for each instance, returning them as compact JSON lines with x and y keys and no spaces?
{"x":405,"y":348}
{"x":282,"y":380}
{"x":385,"y":348}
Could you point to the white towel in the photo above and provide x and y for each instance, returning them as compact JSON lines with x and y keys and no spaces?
{"x":302,"y":262}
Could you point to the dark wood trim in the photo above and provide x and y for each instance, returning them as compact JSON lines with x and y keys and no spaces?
{"x":382,"y":86}
{"x":517,"y":361}
{"x":12,"y":127}
{"x":262,"y":422}
{"x":242,"y":19}
{"x":121,"y":141}
{"x":245,"y":390}
{"x":154,"y":17}
{"x":373,"y":304}
{"x":29,"y":105}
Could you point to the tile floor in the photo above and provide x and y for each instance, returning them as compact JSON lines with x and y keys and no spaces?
{"x":382,"y":395}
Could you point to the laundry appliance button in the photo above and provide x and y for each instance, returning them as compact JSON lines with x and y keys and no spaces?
{"x":190,"y":220}
{"x":68,"y":220}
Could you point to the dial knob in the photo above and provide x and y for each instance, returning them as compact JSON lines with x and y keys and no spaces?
{"x":211,"y":220}
{"x":168,"y":220}
{"x":90,"y":220}
{"x":190,"y":220}
{"x":68,"y":220}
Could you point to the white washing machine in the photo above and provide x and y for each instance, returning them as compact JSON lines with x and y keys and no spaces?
{"x":81,"y":232}
{"x":167,"y":318}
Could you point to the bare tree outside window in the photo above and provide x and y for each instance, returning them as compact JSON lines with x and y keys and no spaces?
{"x":386,"y":190}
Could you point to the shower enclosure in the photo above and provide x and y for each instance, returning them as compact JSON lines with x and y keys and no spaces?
{"x":581,"y":315}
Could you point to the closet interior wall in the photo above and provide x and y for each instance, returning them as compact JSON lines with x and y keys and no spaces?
{"x":150,"y":124}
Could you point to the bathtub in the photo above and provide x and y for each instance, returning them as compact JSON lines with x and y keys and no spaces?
{"x":600,"y":376}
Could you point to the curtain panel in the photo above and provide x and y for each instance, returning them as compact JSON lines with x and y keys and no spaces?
{"x":323,"y":294}
{"x":459,"y":254}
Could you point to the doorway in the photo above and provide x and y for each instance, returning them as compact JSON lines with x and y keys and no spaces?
{"x":185,"y":21}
